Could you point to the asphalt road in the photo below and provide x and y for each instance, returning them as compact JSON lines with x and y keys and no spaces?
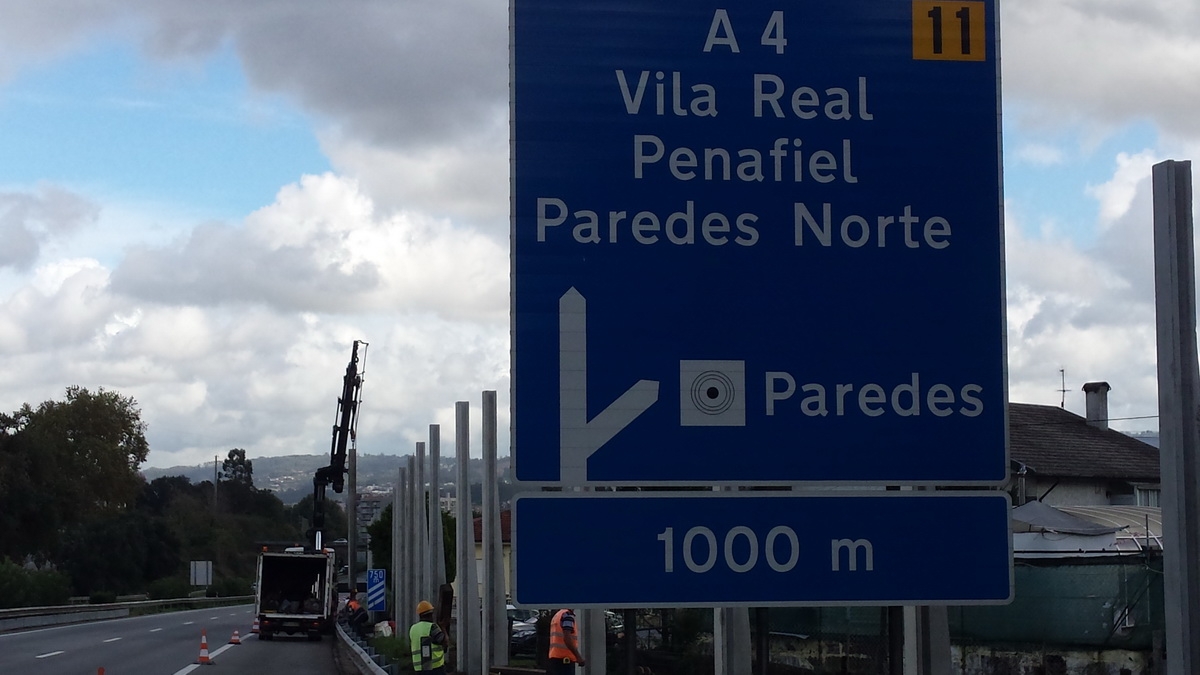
{"x":163,"y":644}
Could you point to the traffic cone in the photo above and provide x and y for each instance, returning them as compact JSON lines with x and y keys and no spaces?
{"x":254,"y":628}
{"x":204,"y":659}
{"x":235,"y":640}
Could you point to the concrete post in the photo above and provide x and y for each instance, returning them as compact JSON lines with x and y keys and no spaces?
{"x":1178,"y":407}
{"x":437,"y":548}
{"x":467,"y":631}
{"x":412,"y":574}
{"x":422,"y":527}
{"x":927,"y":640}
{"x":731,"y":640}
{"x":495,"y":616}
{"x":399,"y":602}
{"x":593,"y":641}
{"x":731,"y":633}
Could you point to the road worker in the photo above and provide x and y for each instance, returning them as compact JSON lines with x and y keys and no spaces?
{"x":429,"y":642}
{"x":564,"y":644}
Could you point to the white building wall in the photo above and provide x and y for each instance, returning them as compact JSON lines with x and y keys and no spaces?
{"x":1072,"y":493}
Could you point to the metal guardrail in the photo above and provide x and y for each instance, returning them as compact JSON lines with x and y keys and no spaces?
{"x":33,"y":617}
{"x":364,"y":662}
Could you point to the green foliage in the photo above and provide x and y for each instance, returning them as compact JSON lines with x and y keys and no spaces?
{"x":396,"y":648}
{"x":381,"y":542}
{"x":168,"y":588}
{"x":101,"y":597}
{"x":120,"y":553}
{"x":227,"y":587}
{"x":237,"y":469}
{"x":300,"y":516}
{"x":686,"y":627}
{"x":71,"y":494}
{"x":66,"y":462}
{"x":380,"y":532}
{"x":450,"y":545}
{"x":20,"y":587}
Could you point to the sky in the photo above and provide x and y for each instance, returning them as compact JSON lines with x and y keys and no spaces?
{"x":202,"y":205}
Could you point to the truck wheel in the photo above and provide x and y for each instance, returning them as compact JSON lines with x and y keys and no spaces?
{"x":264,"y":635}
{"x":314,"y":637}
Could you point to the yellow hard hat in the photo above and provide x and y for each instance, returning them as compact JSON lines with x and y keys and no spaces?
{"x":424,"y":607}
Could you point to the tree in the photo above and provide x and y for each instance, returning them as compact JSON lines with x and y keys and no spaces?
{"x":158,"y":495}
{"x":237,"y":469}
{"x":381,"y":542}
{"x":120,"y":553}
{"x":380,"y":531}
{"x":66,"y":462}
{"x":336,"y":527}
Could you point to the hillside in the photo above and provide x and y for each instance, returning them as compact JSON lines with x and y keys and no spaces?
{"x":290,"y":476}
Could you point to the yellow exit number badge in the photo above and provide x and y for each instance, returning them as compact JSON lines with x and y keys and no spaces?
{"x":949,"y":31}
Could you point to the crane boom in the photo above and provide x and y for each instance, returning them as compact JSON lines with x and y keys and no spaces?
{"x":344,"y":429}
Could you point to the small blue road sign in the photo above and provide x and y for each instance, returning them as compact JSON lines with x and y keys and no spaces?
{"x":755,"y":549}
{"x":377,"y":590}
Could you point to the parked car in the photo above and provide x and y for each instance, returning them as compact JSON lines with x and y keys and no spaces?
{"x":518,"y":614}
{"x":523,"y":638}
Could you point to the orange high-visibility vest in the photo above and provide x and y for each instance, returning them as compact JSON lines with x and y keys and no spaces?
{"x":559,"y":639}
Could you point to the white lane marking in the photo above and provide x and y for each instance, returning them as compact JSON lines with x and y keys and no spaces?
{"x":112,"y":639}
{"x":187,"y":669}
{"x":155,"y":630}
{"x":42,"y":656}
{"x":188,"y":623}
{"x":214,"y":618}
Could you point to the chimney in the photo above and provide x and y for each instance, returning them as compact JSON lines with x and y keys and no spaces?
{"x":1097,"y":403}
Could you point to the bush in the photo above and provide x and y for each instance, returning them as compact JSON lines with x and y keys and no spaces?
{"x":102,"y":597}
{"x":168,"y":588}
{"x":396,"y":650}
{"x":229,"y":587}
{"x":49,"y":587}
{"x":20,"y":587}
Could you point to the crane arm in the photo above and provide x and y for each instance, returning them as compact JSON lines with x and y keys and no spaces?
{"x":344,"y":429}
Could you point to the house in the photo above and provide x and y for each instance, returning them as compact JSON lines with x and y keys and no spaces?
{"x":505,"y":551}
{"x":1087,"y":543}
{"x":1062,"y":459}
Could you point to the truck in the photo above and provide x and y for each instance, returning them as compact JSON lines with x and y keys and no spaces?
{"x":296,"y":592}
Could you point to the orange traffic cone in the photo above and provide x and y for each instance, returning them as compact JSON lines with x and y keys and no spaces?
{"x":204,"y":659}
{"x":254,"y":628}
{"x":235,"y":640}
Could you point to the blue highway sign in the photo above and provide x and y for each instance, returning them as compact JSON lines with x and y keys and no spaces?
{"x":757,"y":230}
{"x":377,"y":590}
{"x":757,"y":549}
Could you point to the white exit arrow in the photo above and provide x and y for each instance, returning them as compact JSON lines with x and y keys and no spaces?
{"x":578,"y":437}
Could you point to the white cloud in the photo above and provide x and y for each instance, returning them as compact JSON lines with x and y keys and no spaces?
{"x":31,"y":219}
{"x":1116,"y":195}
{"x":1088,"y":309}
{"x":1104,"y":61}
{"x":466,"y":181}
{"x":1040,"y":154}
{"x":322,"y":247}
{"x":239,"y":336}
